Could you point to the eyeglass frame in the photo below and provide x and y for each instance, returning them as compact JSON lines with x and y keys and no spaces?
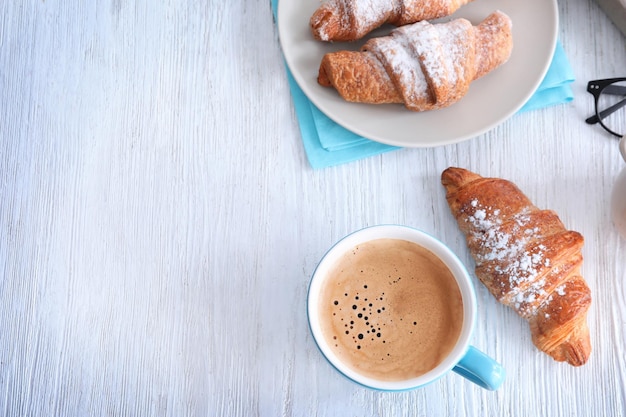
{"x":596,"y":88}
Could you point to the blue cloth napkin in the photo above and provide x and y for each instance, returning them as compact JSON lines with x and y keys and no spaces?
{"x":327,"y":144}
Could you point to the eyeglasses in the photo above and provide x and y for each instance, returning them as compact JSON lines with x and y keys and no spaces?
{"x":610,"y":101}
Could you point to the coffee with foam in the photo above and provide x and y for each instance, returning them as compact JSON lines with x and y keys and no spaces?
{"x":391,"y":310}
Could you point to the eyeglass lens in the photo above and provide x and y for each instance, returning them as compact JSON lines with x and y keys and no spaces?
{"x":611,"y":107}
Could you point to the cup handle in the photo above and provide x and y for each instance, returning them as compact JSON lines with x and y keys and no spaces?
{"x":480,"y":369}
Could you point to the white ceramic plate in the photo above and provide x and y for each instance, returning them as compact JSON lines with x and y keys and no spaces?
{"x":490,"y":100}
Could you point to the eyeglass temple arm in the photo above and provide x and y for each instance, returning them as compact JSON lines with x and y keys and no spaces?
{"x":609,"y":110}
{"x":618,"y":90}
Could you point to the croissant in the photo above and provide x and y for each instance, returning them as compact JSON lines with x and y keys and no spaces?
{"x":526,"y":258}
{"x":424,"y":66}
{"x":349,"y":20}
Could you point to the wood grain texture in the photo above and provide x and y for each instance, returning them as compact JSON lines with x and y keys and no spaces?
{"x":159,"y":222}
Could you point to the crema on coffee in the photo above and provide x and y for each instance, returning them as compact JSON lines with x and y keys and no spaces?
{"x":391,"y":310}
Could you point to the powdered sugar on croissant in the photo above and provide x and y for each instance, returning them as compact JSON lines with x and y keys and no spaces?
{"x":349,"y":20}
{"x":526,"y":258}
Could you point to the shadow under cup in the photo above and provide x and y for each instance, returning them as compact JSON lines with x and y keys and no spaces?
{"x":463,"y":359}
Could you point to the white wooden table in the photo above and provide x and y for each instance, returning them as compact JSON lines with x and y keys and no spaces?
{"x":159,"y":221}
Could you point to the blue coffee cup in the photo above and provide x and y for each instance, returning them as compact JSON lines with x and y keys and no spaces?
{"x":464,"y":359}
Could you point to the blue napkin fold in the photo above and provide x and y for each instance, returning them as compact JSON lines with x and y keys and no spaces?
{"x":555,"y":87}
{"x":327,"y":144}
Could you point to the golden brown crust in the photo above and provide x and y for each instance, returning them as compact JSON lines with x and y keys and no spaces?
{"x":326,"y":25}
{"x":562,"y":331}
{"x":495,"y":39}
{"x":526,"y":258}
{"x":360,"y":77}
{"x":423,"y":66}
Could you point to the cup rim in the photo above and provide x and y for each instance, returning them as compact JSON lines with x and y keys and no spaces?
{"x":395,"y":231}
